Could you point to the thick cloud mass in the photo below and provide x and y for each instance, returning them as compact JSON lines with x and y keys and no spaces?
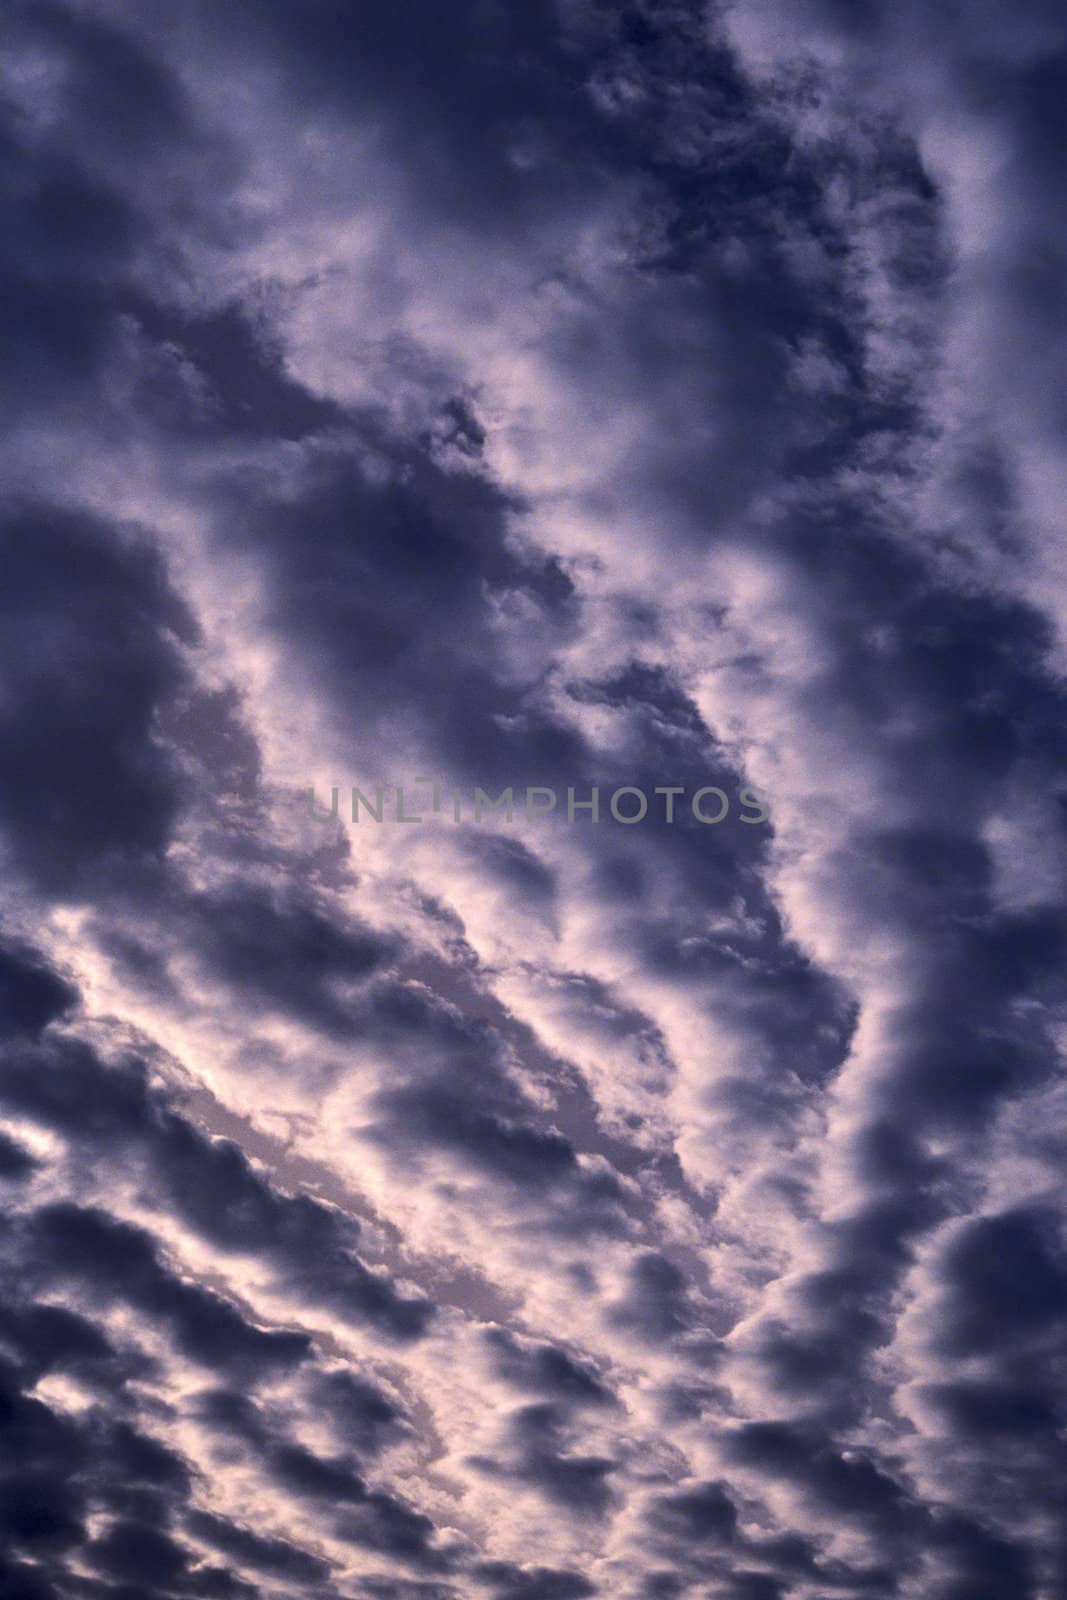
{"x":556,"y":396}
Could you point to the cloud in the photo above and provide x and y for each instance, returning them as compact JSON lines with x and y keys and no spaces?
{"x":560,"y":395}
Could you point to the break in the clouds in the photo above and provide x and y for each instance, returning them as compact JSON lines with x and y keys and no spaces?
{"x":560,"y":396}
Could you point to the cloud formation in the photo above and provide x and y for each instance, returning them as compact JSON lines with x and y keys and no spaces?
{"x":572,"y":395}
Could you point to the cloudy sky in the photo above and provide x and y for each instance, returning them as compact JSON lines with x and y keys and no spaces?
{"x":563,"y":395}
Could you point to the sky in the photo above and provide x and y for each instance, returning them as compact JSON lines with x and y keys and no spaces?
{"x":579,"y":399}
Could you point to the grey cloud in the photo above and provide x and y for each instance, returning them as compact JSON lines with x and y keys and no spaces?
{"x":708,"y":414}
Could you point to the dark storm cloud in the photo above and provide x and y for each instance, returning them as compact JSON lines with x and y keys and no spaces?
{"x":657,"y":1304}
{"x":209,"y":1184}
{"x":381,"y":590}
{"x":63,"y":1467}
{"x":361,"y":1415}
{"x":92,"y":633}
{"x":78,"y":239}
{"x":535,"y":1452}
{"x":461,"y":90}
{"x":283,"y":950}
{"x":846,"y":1485}
{"x":55,"y":1471}
{"x":274,"y":1557}
{"x":576,"y":394}
{"x":47,"y":1338}
{"x":15,"y":1162}
{"x":494,"y":127}
{"x":533,"y":1583}
{"x":240,"y":384}
{"x":113,"y":1259}
{"x":545,"y":1369}
{"x":965,"y":1044}
{"x":703,"y":1513}
{"x":31,"y":994}
{"x":1006,"y":1283}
